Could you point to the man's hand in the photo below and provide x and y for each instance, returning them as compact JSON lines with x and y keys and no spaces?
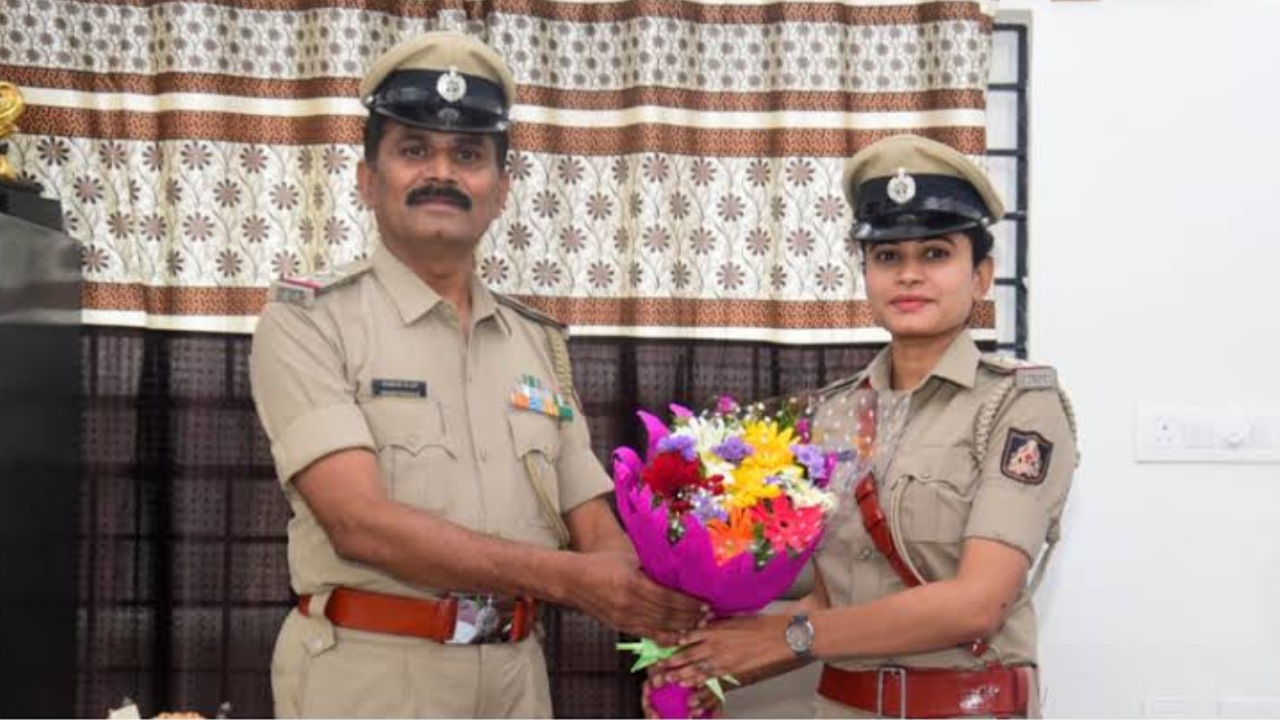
{"x":612,"y":588}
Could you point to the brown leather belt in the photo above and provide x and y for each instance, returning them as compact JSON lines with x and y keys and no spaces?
{"x":997,"y":691}
{"x":436,"y":620}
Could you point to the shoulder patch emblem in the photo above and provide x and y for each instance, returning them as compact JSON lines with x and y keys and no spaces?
{"x":1026,"y":457}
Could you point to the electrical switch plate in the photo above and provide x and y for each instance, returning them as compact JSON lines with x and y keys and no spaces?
{"x":1170,"y":707}
{"x":1223,"y":433}
{"x":1249,"y":707}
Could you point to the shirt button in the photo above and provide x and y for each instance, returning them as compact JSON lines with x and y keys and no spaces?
{"x":865,"y":554}
{"x":316,"y":644}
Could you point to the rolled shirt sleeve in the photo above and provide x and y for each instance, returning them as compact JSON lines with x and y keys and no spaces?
{"x":1026,"y":473}
{"x":581,"y":475}
{"x":306,"y":405}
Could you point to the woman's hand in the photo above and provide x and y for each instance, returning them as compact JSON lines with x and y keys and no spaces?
{"x":745,"y":647}
{"x":702,"y":702}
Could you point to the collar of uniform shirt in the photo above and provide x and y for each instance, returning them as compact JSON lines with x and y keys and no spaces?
{"x":959,"y":365}
{"x":414,"y":298}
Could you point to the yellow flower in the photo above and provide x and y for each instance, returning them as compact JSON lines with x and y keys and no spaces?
{"x":771,"y":448}
{"x":748,"y":487}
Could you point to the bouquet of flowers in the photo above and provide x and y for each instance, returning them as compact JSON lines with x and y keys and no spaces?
{"x":726,"y":506}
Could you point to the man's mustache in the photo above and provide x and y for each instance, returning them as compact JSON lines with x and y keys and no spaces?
{"x":446,"y":193}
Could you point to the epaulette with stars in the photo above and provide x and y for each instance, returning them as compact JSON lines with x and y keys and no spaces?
{"x":1026,"y":375}
{"x":303,"y":290}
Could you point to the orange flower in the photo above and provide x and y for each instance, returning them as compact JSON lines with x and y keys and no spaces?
{"x":734,"y":538}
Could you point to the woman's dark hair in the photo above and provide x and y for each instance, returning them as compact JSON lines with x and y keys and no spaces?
{"x":376,"y":127}
{"x":980,"y":241}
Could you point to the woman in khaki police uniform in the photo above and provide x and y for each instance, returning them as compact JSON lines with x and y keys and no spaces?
{"x":427,"y":436}
{"x":922,"y":605}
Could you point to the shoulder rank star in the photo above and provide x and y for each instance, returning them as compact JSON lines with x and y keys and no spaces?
{"x":902,"y":187}
{"x":529,"y":394}
{"x":451,"y":86}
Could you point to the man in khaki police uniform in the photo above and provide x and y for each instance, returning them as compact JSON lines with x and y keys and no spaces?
{"x":922,"y":604}
{"x":426,"y":434}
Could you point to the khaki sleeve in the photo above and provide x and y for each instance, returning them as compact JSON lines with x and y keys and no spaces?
{"x":303,"y":399}
{"x":1026,"y":474}
{"x":582,"y":478}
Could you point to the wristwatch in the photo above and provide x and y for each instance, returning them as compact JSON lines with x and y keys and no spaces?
{"x":800,"y":636}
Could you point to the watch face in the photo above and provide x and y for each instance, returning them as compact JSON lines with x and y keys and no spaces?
{"x":800,"y":635}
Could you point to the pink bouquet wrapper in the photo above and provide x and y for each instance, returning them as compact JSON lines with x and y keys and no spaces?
{"x":689,"y":565}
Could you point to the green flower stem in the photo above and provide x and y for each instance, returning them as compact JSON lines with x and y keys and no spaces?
{"x":649,"y":652}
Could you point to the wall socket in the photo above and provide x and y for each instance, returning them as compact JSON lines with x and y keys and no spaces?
{"x":1172,"y":707}
{"x":1249,"y":707}
{"x":1225,"y":433}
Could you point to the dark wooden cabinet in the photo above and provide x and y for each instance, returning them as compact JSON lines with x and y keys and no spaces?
{"x":40,"y":458}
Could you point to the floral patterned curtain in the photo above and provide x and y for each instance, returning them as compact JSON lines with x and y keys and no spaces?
{"x":676,"y":162}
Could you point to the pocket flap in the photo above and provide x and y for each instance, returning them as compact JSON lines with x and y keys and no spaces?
{"x":952,"y":466}
{"x":532,"y":431}
{"x":411,"y":425}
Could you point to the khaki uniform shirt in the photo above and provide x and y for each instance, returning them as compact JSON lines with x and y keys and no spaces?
{"x":378,"y":361}
{"x":936,"y":495}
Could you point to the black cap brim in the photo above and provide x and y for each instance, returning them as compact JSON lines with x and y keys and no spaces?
{"x":410,"y":97}
{"x":913,"y":226}
{"x":934,"y":205}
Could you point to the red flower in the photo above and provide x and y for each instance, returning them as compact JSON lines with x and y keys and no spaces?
{"x":786,"y":526}
{"x":670,"y":473}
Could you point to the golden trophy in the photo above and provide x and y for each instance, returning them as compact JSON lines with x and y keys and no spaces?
{"x":11,"y":108}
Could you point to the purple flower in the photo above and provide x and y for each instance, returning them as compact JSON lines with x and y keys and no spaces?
{"x":813,"y":459}
{"x":725,"y":405}
{"x":733,"y":450}
{"x":828,"y":472}
{"x":682,"y":444}
{"x":707,"y":508}
{"x":804,"y":429}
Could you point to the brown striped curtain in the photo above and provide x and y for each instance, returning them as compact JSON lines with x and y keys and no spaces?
{"x":676,"y":162}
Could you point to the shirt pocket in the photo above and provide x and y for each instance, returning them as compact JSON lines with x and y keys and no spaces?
{"x":935,"y":495}
{"x":415,"y":451}
{"x":536,"y":439}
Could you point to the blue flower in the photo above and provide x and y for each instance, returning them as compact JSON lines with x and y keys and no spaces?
{"x":733,"y":450}
{"x":707,"y":508}
{"x":813,"y":459}
{"x":682,"y":444}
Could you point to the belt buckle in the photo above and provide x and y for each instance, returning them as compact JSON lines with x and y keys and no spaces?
{"x":901,"y":673}
{"x":478,"y":621}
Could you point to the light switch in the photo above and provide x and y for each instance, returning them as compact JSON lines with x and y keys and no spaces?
{"x":1223,"y":433}
{"x":1249,"y":707}
{"x":1169,"y":707}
